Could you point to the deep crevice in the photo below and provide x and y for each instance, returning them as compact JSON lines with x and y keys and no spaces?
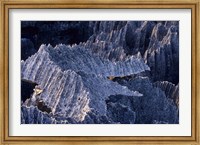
{"x":27,"y":89}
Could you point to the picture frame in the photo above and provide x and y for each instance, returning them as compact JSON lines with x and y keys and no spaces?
{"x":6,"y":5}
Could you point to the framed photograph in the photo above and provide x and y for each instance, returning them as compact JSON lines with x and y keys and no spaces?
{"x":104,"y":72}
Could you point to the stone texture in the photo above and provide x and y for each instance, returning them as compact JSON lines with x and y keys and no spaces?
{"x":105,"y":72}
{"x":154,"y":106}
{"x":171,"y":90}
{"x":69,"y":93}
{"x":162,"y":55}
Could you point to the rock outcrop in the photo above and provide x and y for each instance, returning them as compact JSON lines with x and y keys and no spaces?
{"x":171,"y":90}
{"x":154,"y":106}
{"x":74,"y":92}
{"x":162,"y":55}
{"x":104,"y":72}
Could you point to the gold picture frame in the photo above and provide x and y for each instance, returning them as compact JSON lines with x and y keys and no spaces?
{"x":117,"y":4}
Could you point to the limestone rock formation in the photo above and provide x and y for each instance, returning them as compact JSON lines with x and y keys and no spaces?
{"x":171,"y":90}
{"x":100,"y":72}
{"x":74,"y":92}
{"x":154,"y":106}
{"x":162,"y":54}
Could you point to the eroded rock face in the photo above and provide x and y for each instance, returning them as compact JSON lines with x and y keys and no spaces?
{"x":171,"y":90}
{"x":154,"y":106}
{"x":162,"y":55}
{"x":72,"y":92}
{"x":118,"y":72}
{"x":118,"y":40}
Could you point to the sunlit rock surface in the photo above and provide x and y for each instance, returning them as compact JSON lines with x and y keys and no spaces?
{"x":72,"y":93}
{"x":103,"y":72}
